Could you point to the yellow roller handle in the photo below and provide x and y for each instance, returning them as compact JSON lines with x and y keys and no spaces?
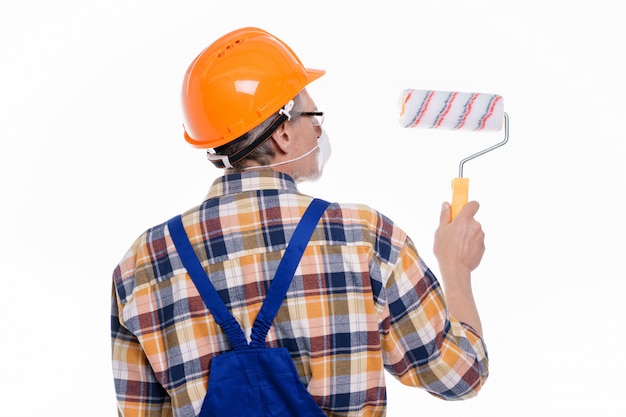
{"x":460,"y":192}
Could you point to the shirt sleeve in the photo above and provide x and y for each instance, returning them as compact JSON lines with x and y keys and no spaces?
{"x":422,"y":345}
{"x":137,"y":389}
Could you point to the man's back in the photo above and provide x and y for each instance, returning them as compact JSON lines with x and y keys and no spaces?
{"x":361,"y":300}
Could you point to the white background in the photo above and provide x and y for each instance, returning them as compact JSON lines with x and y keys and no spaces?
{"x":92,"y":154}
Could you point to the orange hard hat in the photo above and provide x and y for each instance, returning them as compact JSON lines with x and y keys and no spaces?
{"x":236,"y":83}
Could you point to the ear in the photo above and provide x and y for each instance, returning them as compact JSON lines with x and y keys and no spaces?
{"x":283,"y":139}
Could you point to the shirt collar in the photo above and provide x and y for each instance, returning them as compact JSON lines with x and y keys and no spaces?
{"x":245,"y":181}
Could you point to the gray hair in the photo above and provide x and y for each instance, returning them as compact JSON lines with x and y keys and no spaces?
{"x":263,"y":154}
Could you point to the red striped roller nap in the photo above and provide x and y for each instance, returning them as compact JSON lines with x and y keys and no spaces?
{"x":451,"y":110}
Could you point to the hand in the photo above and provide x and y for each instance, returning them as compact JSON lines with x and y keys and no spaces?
{"x":459,"y":244}
{"x":459,"y":248}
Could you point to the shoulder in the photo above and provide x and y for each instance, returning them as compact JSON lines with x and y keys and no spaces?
{"x":356,"y":213}
{"x":367,"y":224}
{"x":144,"y":260}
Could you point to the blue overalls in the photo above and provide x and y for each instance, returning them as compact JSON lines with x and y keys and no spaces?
{"x":253,"y":380}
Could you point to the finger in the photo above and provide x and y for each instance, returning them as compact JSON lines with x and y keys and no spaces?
{"x":444,"y":218}
{"x":470,"y":209}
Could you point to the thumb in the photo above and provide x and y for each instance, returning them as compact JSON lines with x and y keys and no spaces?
{"x":444,"y":217}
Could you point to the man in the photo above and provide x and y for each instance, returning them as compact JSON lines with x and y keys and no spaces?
{"x":362,"y":300}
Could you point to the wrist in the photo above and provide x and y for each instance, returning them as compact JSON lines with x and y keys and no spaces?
{"x":456,"y":278}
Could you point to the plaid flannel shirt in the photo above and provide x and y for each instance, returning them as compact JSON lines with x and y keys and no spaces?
{"x":362,"y":301}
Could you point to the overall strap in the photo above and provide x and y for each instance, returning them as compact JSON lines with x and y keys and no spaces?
{"x":278,"y":288}
{"x":201,"y":280}
{"x":286,"y":269}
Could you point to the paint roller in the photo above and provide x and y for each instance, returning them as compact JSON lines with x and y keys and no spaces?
{"x":453,"y":110}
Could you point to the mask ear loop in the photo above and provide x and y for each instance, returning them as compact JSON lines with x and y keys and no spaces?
{"x":224,"y":161}
{"x":283,"y":162}
{"x":322,"y":141}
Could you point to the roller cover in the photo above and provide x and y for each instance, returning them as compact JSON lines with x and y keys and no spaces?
{"x":451,"y":110}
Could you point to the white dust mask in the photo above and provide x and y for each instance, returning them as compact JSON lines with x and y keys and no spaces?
{"x":323,"y":143}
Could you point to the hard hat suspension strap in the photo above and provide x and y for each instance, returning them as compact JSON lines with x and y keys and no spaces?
{"x":225,"y":161}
